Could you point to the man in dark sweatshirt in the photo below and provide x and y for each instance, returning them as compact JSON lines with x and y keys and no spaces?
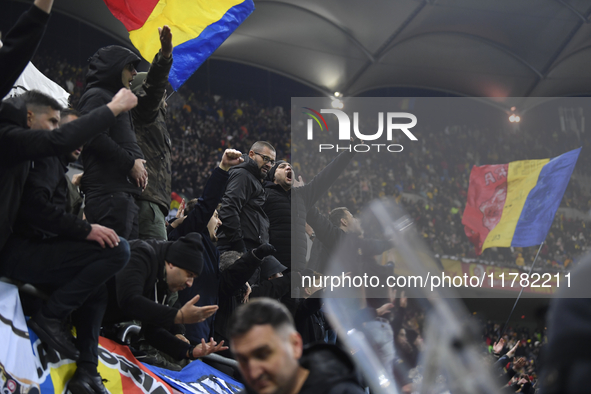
{"x":245,"y":225}
{"x":63,"y":254}
{"x":21,"y":142}
{"x":114,"y":172}
{"x":157,"y":269}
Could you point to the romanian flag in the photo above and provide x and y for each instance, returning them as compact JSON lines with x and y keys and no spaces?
{"x":514,"y":204}
{"x":198,"y":28}
{"x":175,"y":201}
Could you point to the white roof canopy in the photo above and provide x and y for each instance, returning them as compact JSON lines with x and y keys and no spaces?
{"x":486,"y":48}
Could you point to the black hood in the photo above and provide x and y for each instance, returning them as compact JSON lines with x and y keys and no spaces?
{"x":328,"y":366}
{"x":106,"y":65}
{"x":251,"y":166}
{"x":13,"y":111}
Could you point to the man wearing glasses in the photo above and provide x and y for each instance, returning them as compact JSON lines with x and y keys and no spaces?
{"x":245,"y":225}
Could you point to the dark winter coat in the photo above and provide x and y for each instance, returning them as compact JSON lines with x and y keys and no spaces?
{"x":110,"y":156}
{"x":208,"y":283}
{"x":140,"y":292}
{"x":278,"y":209}
{"x":332,"y":237}
{"x":19,"y":144}
{"x":43,"y":210}
{"x":20,"y":44}
{"x":149,"y":120}
{"x":233,"y":278}
{"x":242,"y":215}
{"x":288,"y":227}
{"x":310,"y":321}
{"x":276,"y":288}
{"x":331,"y":371}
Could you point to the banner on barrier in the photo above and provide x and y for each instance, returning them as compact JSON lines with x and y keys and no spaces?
{"x":18,"y":373}
{"x":198,"y":378}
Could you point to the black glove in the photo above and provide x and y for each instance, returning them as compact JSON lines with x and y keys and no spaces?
{"x":263,"y":251}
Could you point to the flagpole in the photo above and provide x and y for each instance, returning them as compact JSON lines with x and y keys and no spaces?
{"x":521,"y":292}
{"x":173,"y":92}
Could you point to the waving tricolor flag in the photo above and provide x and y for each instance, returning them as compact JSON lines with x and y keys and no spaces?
{"x":514,"y":204}
{"x":198,"y":28}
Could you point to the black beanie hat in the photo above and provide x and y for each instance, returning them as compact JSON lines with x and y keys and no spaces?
{"x":270,"y":267}
{"x":271,"y":173}
{"x":187,"y":253}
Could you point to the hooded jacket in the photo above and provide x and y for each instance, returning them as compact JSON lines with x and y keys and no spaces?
{"x":331,"y":371}
{"x":19,"y":144}
{"x":149,"y":118}
{"x":242,"y":212}
{"x":110,"y":156}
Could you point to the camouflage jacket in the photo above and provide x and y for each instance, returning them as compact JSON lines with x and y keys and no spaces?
{"x":149,"y":119}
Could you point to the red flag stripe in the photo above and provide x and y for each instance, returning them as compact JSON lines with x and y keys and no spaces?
{"x":132,"y":13}
{"x":485,"y":202}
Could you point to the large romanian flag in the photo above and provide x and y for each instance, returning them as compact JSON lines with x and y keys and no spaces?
{"x":514,"y":204}
{"x":198,"y":28}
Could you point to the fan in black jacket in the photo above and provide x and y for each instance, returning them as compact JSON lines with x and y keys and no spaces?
{"x":59,"y":252}
{"x":271,"y":357}
{"x":156,"y":269}
{"x":19,"y":143}
{"x":287,"y":226}
{"x":114,"y":170}
{"x":203,"y":219}
{"x":244,"y":223}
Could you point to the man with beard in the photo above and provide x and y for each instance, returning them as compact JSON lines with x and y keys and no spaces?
{"x":272,"y":360}
{"x":287,"y":226}
{"x":215,"y":286}
{"x":245,"y":225}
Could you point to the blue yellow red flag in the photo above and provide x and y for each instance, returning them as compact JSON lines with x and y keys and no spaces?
{"x":198,"y":28}
{"x":514,"y":204}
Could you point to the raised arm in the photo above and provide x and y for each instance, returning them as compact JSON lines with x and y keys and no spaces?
{"x":213,"y":192}
{"x":320,"y":184}
{"x":20,"y":43}
{"x":18,"y":144}
{"x":155,"y":84}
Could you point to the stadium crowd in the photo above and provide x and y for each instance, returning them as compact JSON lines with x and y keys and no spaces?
{"x":249,"y":226}
{"x":431,"y":183}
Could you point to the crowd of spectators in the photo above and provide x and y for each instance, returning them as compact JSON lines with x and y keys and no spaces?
{"x":102,"y":273}
{"x":431,"y":180}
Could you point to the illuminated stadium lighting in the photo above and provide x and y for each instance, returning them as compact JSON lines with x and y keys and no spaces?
{"x":338,"y":104}
{"x":514,"y":118}
{"x":337,"y":94}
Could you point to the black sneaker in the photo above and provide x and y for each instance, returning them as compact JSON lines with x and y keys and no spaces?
{"x":84,"y":382}
{"x":54,"y":334}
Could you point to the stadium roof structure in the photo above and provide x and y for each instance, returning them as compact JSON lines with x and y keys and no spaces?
{"x":484,"y":48}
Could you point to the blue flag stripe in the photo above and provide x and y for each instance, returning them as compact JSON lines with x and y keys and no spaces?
{"x":190,"y":55}
{"x":543,"y":200}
